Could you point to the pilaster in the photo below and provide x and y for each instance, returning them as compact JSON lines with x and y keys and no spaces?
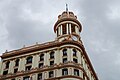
{"x":11,"y":66}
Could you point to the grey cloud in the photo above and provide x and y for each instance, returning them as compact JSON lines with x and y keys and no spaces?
{"x":25,"y":22}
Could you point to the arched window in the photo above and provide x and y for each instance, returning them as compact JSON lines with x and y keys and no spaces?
{"x":65,"y":71}
{"x":29,"y":60}
{"x":64,"y":52}
{"x":7,"y":64}
{"x":52,"y":55}
{"x":17,"y":62}
{"x":42,"y":57}
{"x":74,"y":52}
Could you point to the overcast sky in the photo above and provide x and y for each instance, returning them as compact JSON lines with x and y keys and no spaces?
{"x":25,"y":22}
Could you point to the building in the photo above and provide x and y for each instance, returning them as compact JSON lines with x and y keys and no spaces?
{"x":64,"y":58}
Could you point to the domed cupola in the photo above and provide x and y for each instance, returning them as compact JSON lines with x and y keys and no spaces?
{"x":67,"y":27}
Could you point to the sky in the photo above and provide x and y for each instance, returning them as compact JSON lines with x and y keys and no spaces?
{"x":25,"y":22}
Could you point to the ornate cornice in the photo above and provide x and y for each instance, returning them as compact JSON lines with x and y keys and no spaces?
{"x":47,"y":45}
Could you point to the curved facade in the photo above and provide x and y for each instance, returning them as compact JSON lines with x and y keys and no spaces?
{"x":62,"y":59}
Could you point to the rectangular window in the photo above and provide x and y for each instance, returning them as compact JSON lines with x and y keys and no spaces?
{"x":28,"y":68}
{"x":42,"y":57}
{"x":51,"y":63}
{"x":51,"y":74}
{"x":75,"y":60}
{"x":51,"y":55}
{"x":40,"y":76}
{"x":64,"y":71}
{"x":40,"y":65}
{"x":7,"y":64}
{"x":65,"y":52}
{"x":76,"y":72}
{"x":29,"y":60}
{"x":17,"y":62}
{"x":15,"y":70}
{"x":64,"y":60}
{"x":26,"y":78}
{"x":5,"y":72}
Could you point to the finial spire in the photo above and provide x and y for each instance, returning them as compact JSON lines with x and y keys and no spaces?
{"x":66,"y":7}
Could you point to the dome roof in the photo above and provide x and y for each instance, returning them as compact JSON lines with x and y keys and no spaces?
{"x":67,"y":16}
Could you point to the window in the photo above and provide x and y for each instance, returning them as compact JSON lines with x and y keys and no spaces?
{"x":40,"y":65}
{"x":7,"y":64}
{"x":75,"y":60}
{"x":74,"y":52}
{"x":17,"y":62}
{"x":72,"y":28}
{"x":52,"y":55}
{"x":76,"y":72}
{"x":51,"y":74}
{"x":29,"y":60}
{"x":39,"y":76}
{"x":42,"y":57}
{"x":64,"y":71}
{"x":64,"y":29}
{"x":28,"y":68}
{"x":64,"y":52}
{"x":64,"y":60}
{"x":83,"y":76}
{"x":26,"y":78}
{"x":15,"y":70}
{"x":5,"y":72}
{"x":51,"y":63}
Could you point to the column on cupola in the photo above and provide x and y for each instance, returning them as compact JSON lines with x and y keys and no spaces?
{"x":59,"y":33}
{"x":60,"y":29}
{"x":67,"y":28}
{"x":70,"y":28}
{"x":76,"y":30}
{"x":11,"y":66}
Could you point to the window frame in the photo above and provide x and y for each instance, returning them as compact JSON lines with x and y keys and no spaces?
{"x":76,"y":72}
{"x":39,"y":76}
{"x":64,"y":52}
{"x":51,"y":73}
{"x":29,"y":60}
{"x":52,"y":55}
{"x":42,"y":57}
{"x":64,"y":71}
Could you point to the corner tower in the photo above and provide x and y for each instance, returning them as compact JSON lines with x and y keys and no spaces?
{"x":62,"y":59}
{"x":67,"y":27}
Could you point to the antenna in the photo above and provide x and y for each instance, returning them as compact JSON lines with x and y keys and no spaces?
{"x":66,"y":7}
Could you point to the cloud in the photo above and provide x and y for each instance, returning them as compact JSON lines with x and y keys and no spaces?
{"x":25,"y":22}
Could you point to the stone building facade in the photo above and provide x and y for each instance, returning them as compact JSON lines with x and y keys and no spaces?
{"x":64,"y":58}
